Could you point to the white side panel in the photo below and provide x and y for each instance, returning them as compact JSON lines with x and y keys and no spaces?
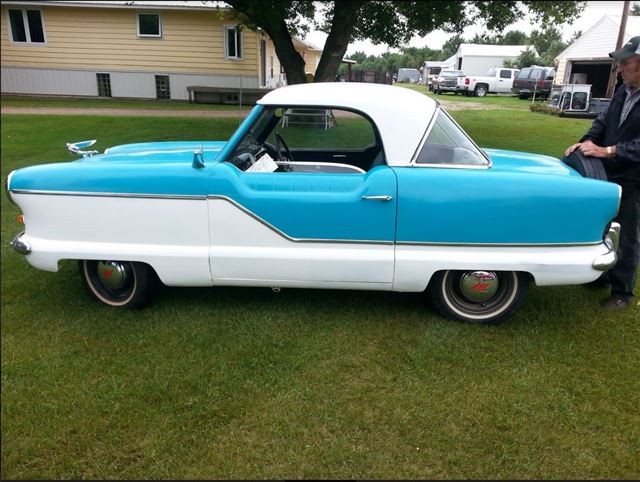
{"x":133,"y":84}
{"x":550,"y":265}
{"x":169,"y":234}
{"x":246,"y":252}
{"x":142,"y":85}
{"x":15,"y":80}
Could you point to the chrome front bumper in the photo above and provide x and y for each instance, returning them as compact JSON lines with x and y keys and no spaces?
{"x":20,"y":246}
{"x":606,"y":261}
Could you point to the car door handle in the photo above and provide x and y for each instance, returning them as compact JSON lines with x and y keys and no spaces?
{"x":377,"y":198}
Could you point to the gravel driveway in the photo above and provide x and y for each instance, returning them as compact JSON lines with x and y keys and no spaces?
{"x":450,"y":105}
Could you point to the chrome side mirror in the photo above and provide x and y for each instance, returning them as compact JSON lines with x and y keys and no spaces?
{"x":76,"y":148}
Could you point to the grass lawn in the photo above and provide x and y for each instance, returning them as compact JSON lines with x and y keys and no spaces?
{"x":245,"y":383}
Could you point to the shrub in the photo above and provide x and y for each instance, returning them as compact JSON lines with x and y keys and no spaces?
{"x":543,"y":108}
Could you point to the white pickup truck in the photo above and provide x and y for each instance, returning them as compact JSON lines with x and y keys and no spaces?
{"x":497,"y":81}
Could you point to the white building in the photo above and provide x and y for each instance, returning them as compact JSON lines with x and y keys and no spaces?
{"x":587,"y":61}
{"x":477,"y":59}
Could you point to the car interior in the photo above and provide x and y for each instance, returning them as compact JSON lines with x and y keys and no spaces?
{"x":309,"y":140}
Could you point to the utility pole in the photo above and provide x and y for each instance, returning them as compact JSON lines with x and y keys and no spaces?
{"x":614,"y":66}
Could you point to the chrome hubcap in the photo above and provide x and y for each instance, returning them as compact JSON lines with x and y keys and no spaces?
{"x":479,"y":286}
{"x":111,"y":274}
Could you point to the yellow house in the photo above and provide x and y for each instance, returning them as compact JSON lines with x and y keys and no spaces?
{"x":134,"y":49}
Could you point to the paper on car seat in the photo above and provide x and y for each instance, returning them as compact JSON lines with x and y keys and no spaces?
{"x":264,"y":164}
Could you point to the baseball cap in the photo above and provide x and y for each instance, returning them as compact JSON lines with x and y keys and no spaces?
{"x":628,"y":50}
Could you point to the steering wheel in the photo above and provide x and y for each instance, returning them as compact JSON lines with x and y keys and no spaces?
{"x":279,"y":145}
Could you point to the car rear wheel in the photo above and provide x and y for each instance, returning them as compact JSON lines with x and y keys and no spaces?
{"x":482,"y":297}
{"x":122,"y":284}
{"x":480,"y":91}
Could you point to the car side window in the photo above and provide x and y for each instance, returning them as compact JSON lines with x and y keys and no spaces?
{"x":524,"y":73}
{"x":447,"y":144}
{"x":505,"y":74}
{"x":318,"y":128}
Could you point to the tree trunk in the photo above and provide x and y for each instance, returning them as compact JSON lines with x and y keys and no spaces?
{"x":344,"y":18}
{"x":290,"y":59}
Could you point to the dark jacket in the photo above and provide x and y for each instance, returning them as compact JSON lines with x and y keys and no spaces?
{"x":624,"y":168}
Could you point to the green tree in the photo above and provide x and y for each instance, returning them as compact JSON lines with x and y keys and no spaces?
{"x":383,"y":22}
{"x":635,"y":9}
{"x":527,"y":59}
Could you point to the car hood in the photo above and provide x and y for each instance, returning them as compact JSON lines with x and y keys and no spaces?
{"x":158,"y":152}
{"x":125,"y":169}
{"x":520,"y":162}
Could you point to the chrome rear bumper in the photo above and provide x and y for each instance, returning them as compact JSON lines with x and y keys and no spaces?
{"x":606,"y":261}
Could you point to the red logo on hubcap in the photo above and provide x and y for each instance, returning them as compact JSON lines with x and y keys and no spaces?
{"x":106,"y":274}
{"x":480,"y":287}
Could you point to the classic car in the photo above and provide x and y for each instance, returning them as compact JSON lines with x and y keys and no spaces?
{"x":391,"y":194}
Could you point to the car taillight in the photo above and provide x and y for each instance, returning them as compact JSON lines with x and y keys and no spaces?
{"x":541,"y":83}
{"x":466,"y":81}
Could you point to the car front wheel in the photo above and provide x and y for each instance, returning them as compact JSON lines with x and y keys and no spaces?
{"x":482,"y":297}
{"x":122,"y":284}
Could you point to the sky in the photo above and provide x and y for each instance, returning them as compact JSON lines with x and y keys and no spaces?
{"x":593,"y":12}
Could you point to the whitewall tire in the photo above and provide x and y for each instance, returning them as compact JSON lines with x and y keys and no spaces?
{"x":483,"y":297}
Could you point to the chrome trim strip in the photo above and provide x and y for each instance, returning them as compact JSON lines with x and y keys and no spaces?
{"x":289,"y":238}
{"x":19,"y":245}
{"x":314,"y":163}
{"x":112,"y":194}
{"x":502,"y":245}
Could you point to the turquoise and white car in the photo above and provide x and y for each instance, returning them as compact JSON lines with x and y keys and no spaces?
{"x":327,"y":185}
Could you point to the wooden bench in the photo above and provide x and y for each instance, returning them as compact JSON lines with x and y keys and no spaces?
{"x":224,"y":95}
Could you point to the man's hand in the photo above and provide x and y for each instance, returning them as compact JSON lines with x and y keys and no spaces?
{"x":572,"y":148}
{"x":588,"y":148}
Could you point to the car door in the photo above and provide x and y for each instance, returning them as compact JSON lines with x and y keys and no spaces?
{"x":313,"y":224}
{"x":505,"y":81}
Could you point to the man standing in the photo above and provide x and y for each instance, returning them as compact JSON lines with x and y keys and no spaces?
{"x":615,"y":138}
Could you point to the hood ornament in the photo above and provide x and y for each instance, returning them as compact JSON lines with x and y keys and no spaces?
{"x":76,"y":148}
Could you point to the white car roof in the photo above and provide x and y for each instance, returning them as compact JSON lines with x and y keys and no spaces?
{"x":401,"y":115}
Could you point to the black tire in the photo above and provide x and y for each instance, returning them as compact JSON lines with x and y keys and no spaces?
{"x":522,"y":96}
{"x":480,"y":91}
{"x":500,"y":293}
{"x":587,"y":166}
{"x":132,"y":287}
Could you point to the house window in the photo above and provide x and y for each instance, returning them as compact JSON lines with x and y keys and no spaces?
{"x":149,"y":25}
{"x":162,"y":87}
{"x":26,"y":26}
{"x":104,"y":85}
{"x":233,"y":43}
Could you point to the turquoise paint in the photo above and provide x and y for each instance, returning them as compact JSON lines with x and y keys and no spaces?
{"x":501,"y":205}
{"x":317,"y":206}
